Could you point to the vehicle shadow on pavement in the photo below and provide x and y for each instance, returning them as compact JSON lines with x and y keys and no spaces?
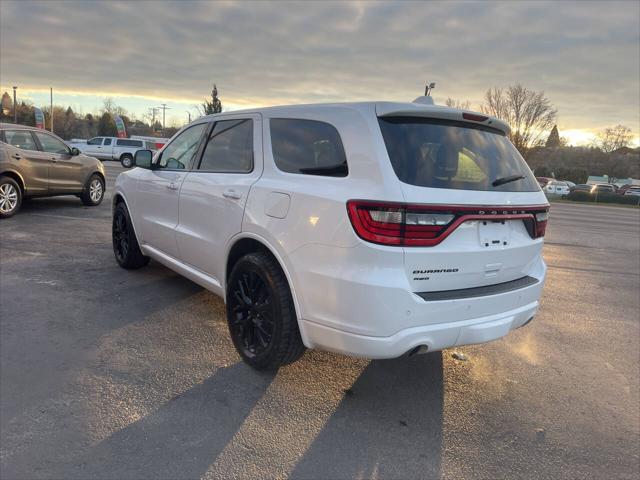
{"x":180,"y":438}
{"x":389,"y":425}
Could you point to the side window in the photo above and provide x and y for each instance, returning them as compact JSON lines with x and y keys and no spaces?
{"x":107,"y":141}
{"x":309,"y":147}
{"x":20,"y":139}
{"x":128,"y":143}
{"x":95,"y":141}
{"x":178,"y":154}
{"x":51,"y":144}
{"x":229,"y":147}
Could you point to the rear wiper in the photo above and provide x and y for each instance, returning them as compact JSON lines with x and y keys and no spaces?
{"x":501,"y":181}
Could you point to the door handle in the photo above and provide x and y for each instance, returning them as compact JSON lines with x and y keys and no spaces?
{"x":16,"y":156}
{"x":54,"y":159}
{"x":172,"y":186}
{"x":232,"y":194}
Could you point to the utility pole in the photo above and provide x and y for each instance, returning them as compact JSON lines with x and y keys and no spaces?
{"x":51,"y":105}
{"x":164,"y":108}
{"x":15,"y":106}
{"x":153,"y":118}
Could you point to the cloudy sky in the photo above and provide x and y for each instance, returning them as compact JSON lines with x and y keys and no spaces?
{"x":584,"y":55}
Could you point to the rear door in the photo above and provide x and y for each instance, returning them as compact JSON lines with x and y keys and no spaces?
{"x":66,"y":173}
{"x":214,"y":194}
{"x":32,"y":164}
{"x":156,"y":198}
{"x":478,"y":181}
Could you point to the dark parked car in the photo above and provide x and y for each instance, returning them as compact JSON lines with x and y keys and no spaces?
{"x":36,"y":163}
{"x":580,"y":188}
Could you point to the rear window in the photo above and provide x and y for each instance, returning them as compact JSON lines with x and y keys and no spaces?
{"x":129,"y":143}
{"x":308,"y":147}
{"x":447,"y":154}
{"x":20,"y":139}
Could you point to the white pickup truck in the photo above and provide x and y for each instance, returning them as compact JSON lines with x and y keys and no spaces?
{"x":114,"y":148}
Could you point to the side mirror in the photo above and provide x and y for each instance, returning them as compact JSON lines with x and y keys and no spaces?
{"x":143,"y":158}
{"x":74,"y":152}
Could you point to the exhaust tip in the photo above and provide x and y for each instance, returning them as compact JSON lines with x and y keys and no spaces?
{"x":420,"y":349}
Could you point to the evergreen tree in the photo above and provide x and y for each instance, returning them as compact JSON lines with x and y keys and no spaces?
{"x":214,"y":105}
{"x":553,"y":141}
{"x":107,"y":126}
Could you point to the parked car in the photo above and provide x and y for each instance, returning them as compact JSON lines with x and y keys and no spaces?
{"x":635,"y":191}
{"x":368,"y":229}
{"x":36,"y":163}
{"x":623,"y":189}
{"x":582,"y":187}
{"x":557,"y":188}
{"x":602,"y":188}
{"x":542,"y":181}
{"x":114,"y":148}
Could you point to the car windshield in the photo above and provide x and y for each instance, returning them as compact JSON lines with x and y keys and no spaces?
{"x":447,"y":154}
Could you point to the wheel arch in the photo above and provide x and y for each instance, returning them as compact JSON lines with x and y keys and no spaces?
{"x":17,"y":177}
{"x":247,"y":242}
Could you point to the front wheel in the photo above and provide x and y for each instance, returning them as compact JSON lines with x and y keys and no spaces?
{"x":125,"y":244}
{"x":10,"y":197}
{"x":261,"y":315}
{"x":93,"y":191}
{"x":126,"y":161}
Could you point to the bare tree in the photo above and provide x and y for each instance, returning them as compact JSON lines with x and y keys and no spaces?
{"x":453,"y":103}
{"x":529,"y":113}
{"x":613,"y":138}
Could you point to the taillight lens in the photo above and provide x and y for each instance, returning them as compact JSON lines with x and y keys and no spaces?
{"x":428,"y":225}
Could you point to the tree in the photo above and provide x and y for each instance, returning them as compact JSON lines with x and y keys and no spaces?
{"x":553,"y":140}
{"x":214,"y":105}
{"x":68,"y":127}
{"x":613,"y":138}
{"x":107,"y":126}
{"x":453,"y":103}
{"x":529,"y":114}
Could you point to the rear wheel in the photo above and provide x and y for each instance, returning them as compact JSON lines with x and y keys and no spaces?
{"x":93,"y":191}
{"x":125,"y":244}
{"x":126,"y":160}
{"x":10,"y":197}
{"x":261,"y":315}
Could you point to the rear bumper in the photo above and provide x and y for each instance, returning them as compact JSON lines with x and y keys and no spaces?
{"x":434,"y":337}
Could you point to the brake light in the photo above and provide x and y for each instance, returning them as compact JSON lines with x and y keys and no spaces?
{"x":474,"y":117}
{"x":402,"y":224}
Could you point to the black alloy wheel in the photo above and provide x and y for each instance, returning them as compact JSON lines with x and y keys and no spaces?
{"x":261,"y":315}
{"x":125,"y":244}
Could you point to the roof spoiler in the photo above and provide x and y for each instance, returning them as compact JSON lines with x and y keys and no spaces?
{"x":424,"y":107}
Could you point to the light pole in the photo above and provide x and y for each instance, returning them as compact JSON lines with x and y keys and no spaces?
{"x":15,"y":106}
{"x":189,"y":113}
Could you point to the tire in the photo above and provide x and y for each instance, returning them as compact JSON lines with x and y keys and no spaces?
{"x":93,"y":192}
{"x":125,"y":244}
{"x":10,"y":197}
{"x":126,"y":160}
{"x":260,"y":313}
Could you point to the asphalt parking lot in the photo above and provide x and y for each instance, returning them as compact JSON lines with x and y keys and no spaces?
{"x":106,"y":373}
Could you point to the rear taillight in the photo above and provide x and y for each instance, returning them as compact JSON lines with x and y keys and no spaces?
{"x":427,"y":225}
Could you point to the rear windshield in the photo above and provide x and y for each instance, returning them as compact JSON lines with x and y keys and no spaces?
{"x":446,"y":154}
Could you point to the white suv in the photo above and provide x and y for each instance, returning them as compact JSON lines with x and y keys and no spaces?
{"x":368,"y":229}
